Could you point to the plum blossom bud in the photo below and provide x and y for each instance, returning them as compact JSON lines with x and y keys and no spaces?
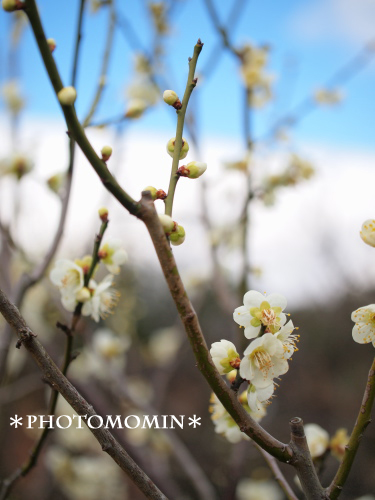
{"x":136,"y":107}
{"x":170,"y":97}
{"x":103,"y":214}
{"x":167,"y":223}
{"x":19,"y":166}
{"x":10,"y":5}
{"x":338,"y":443}
{"x":224,"y":355}
{"x":184,"y":148}
{"x":51,"y":44}
{"x":106,"y":153}
{"x":178,"y":236}
{"x":56,"y":182}
{"x":152,"y":190}
{"x":368,"y":232}
{"x":156,"y":194}
{"x":67,"y":96}
{"x":317,"y":439}
{"x":83,"y":295}
{"x":193,"y":170}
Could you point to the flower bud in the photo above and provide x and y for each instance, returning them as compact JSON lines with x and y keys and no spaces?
{"x":225,"y":356}
{"x":160,"y":194}
{"x":368,"y":232}
{"x":85,"y":263}
{"x":136,"y":107}
{"x":338,"y":443}
{"x":56,"y":182}
{"x":167,"y":223}
{"x":10,"y":5}
{"x":178,"y":236}
{"x":19,"y":166}
{"x":106,"y":153}
{"x":103,"y":214}
{"x":184,"y":148}
{"x":83,"y":295}
{"x":51,"y":44}
{"x":67,"y":96}
{"x":193,"y":170}
{"x":170,"y":97}
{"x":152,"y":190}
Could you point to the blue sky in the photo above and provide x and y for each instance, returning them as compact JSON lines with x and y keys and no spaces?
{"x":310,"y":40}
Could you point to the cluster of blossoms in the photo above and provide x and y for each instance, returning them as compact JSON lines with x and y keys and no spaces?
{"x":327,"y":97}
{"x":297,"y":170}
{"x":98,"y":299}
{"x":254,"y":60}
{"x":224,"y":423}
{"x":320,"y":443}
{"x":266,"y":357}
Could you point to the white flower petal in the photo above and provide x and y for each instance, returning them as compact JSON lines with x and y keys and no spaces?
{"x":251,"y":331}
{"x":253,"y":299}
{"x":276,"y":300}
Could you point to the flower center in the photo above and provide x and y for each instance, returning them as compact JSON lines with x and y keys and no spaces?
{"x":262,"y":360}
{"x":269,"y":317}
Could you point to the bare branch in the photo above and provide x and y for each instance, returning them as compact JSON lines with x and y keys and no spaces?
{"x":61,"y":384}
{"x":363,"y":420}
{"x":303,"y":463}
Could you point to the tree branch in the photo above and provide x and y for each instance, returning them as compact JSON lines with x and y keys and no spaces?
{"x":60,"y":383}
{"x":190,"y":85}
{"x":75,"y":129}
{"x":105,"y":63}
{"x":363,"y":420}
{"x":196,"y":338}
{"x":279,"y":476}
{"x":303,"y":463}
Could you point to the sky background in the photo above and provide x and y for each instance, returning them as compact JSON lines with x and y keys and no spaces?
{"x":307,"y":244}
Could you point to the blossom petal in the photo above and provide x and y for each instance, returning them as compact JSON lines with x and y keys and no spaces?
{"x":277,"y":300}
{"x":253,"y":299}
{"x":251,"y":331}
{"x":242,"y":316}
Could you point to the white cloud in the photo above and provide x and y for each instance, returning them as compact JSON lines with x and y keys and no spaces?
{"x":308,"y":244}
{"x":349,"y":20}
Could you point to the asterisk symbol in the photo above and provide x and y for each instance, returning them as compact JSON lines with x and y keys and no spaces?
{"x":194,"y":421}
{"x":16,"y":421}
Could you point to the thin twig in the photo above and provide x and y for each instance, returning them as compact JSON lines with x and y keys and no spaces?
{"x":279,"y":476}
{"x":60,"y":383}
{"x":104,"y":68}
{"x":76,"y":130}
{"x":190,"y":85}
{"x":363,"y":420}
{"x":178,"y":449}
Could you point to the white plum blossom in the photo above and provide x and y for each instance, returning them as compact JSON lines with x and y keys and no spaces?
{"x":113,"y":256}
{"x":103,"y":299}
{"x":68,"y":277}
{"x":364,"y":328}
{"x":255,"y":397}
{"x":258,"y":489}
{"x":288,"y":339}
{"x":368,"y":232}
{"x":224,"y":423}
{"x":317,"y":439}
{"x":108,"y":345}
{"x":224,"y":355}
{"x":263,"y":361}
{"x":259,"y":310}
